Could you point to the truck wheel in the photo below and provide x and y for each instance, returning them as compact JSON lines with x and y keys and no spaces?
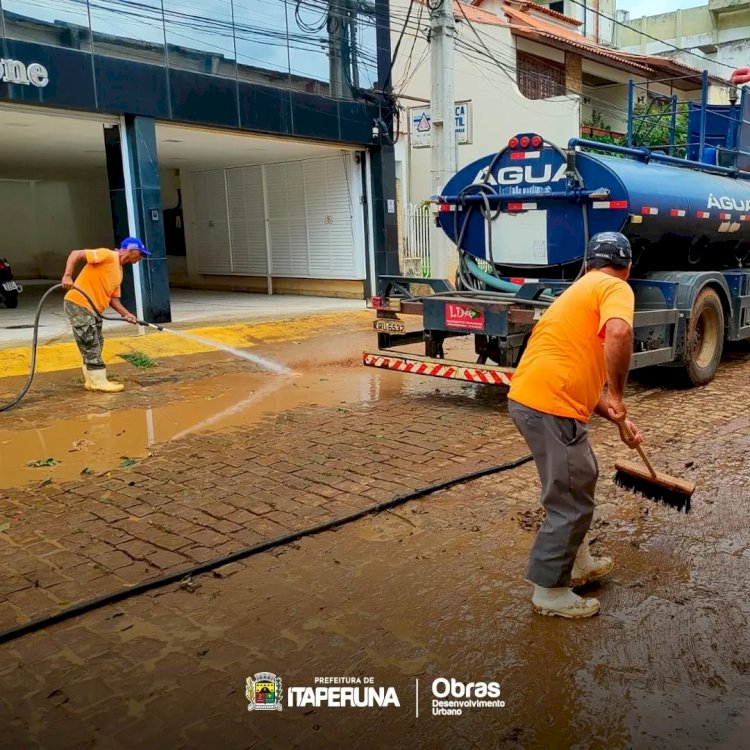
{"x":10,"y":299}
{"x":705,"y":338}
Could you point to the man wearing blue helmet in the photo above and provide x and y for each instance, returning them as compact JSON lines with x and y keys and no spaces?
{"x":583,"y":341}
{"x":100,"y":279}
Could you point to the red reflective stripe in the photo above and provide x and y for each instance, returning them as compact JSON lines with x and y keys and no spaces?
{"x":517,"y":280}
{"x":618,"y":204}
{"x":421,"y":369}
{"x":676,"y":212}
{"x":482,"y":376}
{"x":468,"y":376}
{"x":436,"y":369}
{"x":445,"y":207}
{"x":449,"y":372}
{"x":725,"y":217}
{"x":649,"y":210}
{"x":518,"y":155}
{"x":703,"y":214}
{"x":515,"y":206}
{"x":409,"y":366}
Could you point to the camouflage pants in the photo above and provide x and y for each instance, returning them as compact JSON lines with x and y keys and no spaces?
{"x":87,"y":331}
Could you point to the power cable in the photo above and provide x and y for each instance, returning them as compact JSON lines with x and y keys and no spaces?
{"x":649,"y":36}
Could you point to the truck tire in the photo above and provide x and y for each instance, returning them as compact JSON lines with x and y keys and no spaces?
{"x":704,"y":341}
{"x":10,"y":299}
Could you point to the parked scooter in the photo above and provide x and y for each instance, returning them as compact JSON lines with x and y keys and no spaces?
{"x":9,"y":290}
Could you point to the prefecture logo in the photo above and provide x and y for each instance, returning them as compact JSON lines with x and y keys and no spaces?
{"x":264,"y":692}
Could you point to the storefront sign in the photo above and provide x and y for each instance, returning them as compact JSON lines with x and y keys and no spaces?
{"x":14,"y":71}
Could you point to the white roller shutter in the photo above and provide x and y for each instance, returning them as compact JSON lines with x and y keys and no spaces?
{"x":314,"y":220}
{"x":285,"y":191}
{"x":329,"y":217}
{"x":211,"y":225}
{"x":247,"y":221}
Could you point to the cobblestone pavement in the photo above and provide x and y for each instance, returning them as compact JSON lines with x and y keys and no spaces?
{"x":433,"y":588}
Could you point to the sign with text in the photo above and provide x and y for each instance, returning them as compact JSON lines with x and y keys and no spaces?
{"x":420,"y":125}
{"x":14,"y":71}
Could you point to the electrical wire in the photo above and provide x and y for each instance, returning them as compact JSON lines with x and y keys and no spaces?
{"x":649,"y":36}
{"x":255,"y":549}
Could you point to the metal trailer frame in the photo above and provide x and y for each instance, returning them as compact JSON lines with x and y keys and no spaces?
{"x":664,"y":305}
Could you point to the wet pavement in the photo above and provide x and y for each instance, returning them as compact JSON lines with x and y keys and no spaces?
{"x":221,"y":456}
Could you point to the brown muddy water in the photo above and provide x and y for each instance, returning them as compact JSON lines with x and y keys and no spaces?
{"x":435,"y":589}
{"x":99,"y":441}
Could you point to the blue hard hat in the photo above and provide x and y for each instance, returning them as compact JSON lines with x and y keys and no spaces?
{"x":133,"y":243}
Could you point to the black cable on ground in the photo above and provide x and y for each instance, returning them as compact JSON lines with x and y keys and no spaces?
{"x":241,"y":554}
{"x":35,"y":341}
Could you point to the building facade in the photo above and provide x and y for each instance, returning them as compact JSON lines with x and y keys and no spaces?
{"x":715,"y":36}
{"x":248,"y":143}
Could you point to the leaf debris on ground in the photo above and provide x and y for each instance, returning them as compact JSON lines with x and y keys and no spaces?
{"x":42,"y":462}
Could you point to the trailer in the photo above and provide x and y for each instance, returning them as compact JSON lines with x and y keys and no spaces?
{"x":521,"y":219}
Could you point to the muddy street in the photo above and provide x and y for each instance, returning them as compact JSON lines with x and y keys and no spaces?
{"x":205,"y":455}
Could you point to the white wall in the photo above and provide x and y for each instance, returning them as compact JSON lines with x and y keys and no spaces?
{"x":43,"y":220}
{"x":499,"y":110}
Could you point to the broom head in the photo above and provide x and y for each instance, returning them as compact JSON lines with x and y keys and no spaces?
{"x":675,"y":493}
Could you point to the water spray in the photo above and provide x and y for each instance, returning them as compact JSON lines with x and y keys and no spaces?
{"x":260,"y":361}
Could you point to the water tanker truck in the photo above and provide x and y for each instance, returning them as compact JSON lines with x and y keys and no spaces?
{"x":521,"y":219}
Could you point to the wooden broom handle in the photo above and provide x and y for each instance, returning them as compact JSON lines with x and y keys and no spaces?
{"x":629,"y":435}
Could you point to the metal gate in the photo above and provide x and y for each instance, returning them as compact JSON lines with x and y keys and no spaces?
{"x":416,"y":245}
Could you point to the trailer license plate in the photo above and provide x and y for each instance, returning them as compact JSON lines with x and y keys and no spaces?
{"x":10,"y":286}
{"x":389,"y":326}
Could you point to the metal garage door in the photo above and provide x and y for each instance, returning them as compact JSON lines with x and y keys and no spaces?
{"x":305,"y":215}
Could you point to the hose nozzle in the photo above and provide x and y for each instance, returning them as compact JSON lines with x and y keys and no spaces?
{"x":150,"y":325}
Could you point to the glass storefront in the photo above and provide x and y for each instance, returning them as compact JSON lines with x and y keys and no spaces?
{"x":319,"y":46}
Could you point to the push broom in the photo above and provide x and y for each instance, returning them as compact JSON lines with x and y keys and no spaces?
{"x":671,"y":491}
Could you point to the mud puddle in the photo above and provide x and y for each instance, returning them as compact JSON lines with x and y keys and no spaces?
{"x":66,"y":448}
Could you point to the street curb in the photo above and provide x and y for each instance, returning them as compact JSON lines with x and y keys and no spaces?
{"x":64,"y":356}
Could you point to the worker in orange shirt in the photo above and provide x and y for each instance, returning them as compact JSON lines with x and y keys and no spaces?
{"x":100,"y":278}
{"x":583,"y":340}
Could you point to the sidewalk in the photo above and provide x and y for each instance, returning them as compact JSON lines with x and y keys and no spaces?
{"x":264,"y":319}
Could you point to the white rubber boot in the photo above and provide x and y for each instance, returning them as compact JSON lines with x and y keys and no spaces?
{"x":587,"y":569}
{"x":99,"y":382}
{"x":562,"y":602}
{"x":86,"y":379}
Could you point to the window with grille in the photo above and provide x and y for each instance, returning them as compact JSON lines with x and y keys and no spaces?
{"x":539,"y":78}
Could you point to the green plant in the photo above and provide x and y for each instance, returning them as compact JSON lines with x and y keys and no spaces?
{"x":140,"y":360}
{"x":652,"y":124}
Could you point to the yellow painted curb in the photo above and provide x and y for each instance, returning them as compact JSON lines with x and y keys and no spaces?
{"x":65,"y":356}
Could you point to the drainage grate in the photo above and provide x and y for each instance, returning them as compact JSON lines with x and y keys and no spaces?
{"x":25,"y":325}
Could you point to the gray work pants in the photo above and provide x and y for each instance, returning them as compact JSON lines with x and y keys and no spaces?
{"x":568,"y":471}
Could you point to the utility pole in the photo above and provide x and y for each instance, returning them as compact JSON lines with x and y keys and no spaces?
{"x":337,"y":31}
{"x":443,"y":255}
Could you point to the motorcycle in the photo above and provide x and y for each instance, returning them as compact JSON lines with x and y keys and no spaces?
{"x":9,"y":290}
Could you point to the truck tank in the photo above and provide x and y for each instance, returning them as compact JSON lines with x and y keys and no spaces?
{"x":543,"y":204}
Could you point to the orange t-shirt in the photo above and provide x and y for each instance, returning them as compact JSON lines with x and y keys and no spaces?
{"x":100,"y":279}
{"x":562,"y":370}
